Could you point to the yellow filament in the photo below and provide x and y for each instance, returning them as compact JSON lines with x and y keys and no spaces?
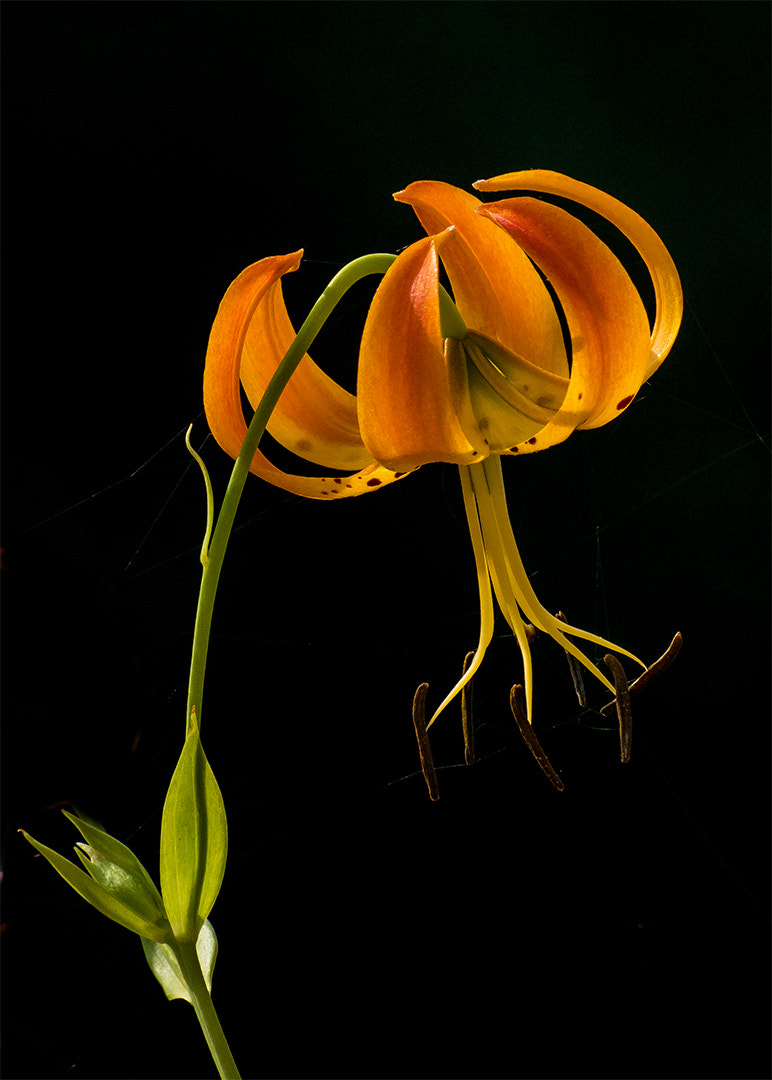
{"x":498,"y":564}
{"x":509,"y":566}
{"x":483,"y":584}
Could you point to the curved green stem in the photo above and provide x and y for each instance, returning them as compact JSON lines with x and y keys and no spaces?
{"x":202,"y":1002}
{"x":213,"y":560}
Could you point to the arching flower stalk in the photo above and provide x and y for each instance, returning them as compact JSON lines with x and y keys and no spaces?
{"x":466,"y":380}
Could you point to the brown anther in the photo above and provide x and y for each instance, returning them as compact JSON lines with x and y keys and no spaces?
{"x":517,"y":704}
{"x":577,"y":677}
{"x":624,"y":711}
{"x":467,"y":718}
{"x":531,"y":633}
{"x":424,"y":750}
{"x":656,"y":668}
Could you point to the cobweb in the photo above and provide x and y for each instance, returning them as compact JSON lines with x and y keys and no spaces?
{"x":328,"y":618}
{"x":582,"y":514}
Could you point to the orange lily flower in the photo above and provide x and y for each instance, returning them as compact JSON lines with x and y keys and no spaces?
{"x":465,"y":381}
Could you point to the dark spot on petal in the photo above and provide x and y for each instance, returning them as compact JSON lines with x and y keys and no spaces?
{"x":625,"y":401}
{"x":532,"y":441}
{"x":337,"y":480}
{"x":514,"y":450}
{"x":398,"y":474}
{"x":374,"y":483}
{"x":579,"y":397}
{"x":301,"y":445}
{"x":349,"y":485}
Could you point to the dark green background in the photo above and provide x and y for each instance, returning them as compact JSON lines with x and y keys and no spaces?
{"x":616,"y":930}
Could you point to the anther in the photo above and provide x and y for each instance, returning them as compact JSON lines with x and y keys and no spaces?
{"x":575,"y":668}
{"x":624,"y":711}
{"x":517,"y":704}
{"x":424,"y":750}
{"x":467,"y":717}
{"x":656,"y":668}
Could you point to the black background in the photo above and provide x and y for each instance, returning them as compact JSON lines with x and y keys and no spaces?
{"x":618,"y":929}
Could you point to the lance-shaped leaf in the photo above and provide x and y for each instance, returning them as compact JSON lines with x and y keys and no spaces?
{"x":194,"y":840}
{"x":117,"y":884}
{"x":166,"y":967}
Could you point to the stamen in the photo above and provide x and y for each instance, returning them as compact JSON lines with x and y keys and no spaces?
{"x":507,"y":566}
{"x":575,"y":668}
{"x":656,"y":668}
{"x":467,"y":717}
{"x":517,"y":704}
{"x":484,"y":585}
{"x":624,"y":711}
{"x":424,"y":750}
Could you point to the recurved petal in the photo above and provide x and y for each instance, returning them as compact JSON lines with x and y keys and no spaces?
{"x":371,"y":478}
{"x":605,"y":315}
{"x":497,"y":290}
{"x":314,"y":417}
{"x":667,"y":284}
{"x":222,"y":401}
{"x":406,"y":412}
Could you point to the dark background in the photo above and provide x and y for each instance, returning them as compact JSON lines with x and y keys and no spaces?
{"x":618,"y":929}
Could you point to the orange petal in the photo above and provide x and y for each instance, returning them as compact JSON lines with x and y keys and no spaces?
{"x":315,"y":418}
{"x":496,"y":288}
{"x":667,"y":284}
{"x":371,"y":478}
{"x":606,"y":317}
{"x":222,"y":401}
{"x":406,"y":412}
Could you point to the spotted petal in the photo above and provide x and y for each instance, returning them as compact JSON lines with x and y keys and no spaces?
{"x":667,"y":284}
{"x":315,"y":418}
{"x":323,"y":418}
{"x":605,"y":314}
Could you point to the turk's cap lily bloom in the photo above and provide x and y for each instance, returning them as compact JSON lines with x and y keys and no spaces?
{"x":499,"y":381}
{"x":489,"y":373}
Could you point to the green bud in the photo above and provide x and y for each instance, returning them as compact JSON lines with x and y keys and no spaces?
{"x":194,"y":840}
{"x":119,"y":871}
{"x":116,"y":884}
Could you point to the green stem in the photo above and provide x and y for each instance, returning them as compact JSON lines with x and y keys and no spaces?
{"x":206,"y":1012}
{"x":213,"y":560}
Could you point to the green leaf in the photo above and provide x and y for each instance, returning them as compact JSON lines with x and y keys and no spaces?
{"x":99,"y":896}
{"x":194,"y":840}
{"x":166,"y":967}
{"x":119,"y":870}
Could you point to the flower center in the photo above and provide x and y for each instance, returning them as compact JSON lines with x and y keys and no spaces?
{"x":499,"y":394}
